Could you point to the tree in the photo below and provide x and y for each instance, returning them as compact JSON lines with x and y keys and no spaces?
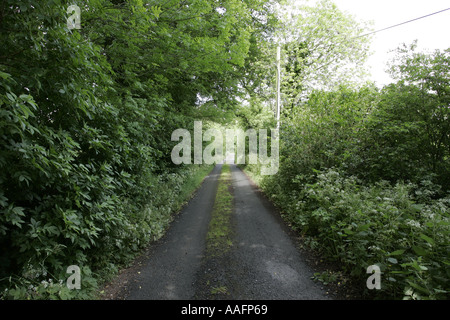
{"x":86,"y":117}
{"x":408,"y":135}
{"x":327,"y":42}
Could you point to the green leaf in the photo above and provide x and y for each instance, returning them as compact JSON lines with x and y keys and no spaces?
{"x":348,"y":231}
{"x":427,"y":239}
{"x":364,"y":227}
{"x":18,"y":211}
{"x":396,"y":253}
{"x":11,"y":96}
{"x":420,"y":251}
{"x":156,"y":10}
{"x":4,"y":75}
{"x":420,"y":288}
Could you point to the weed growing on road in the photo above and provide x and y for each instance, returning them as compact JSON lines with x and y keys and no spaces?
{"x":219,"y":233}
{"x":217,"y":290}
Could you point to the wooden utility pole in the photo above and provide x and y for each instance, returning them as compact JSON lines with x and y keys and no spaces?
{"x":278,"y":86}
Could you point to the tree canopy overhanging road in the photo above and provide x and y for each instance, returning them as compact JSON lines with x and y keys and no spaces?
{"x":91,"y":93}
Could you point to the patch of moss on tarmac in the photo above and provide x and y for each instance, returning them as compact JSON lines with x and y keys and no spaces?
{"x":213,"y":282}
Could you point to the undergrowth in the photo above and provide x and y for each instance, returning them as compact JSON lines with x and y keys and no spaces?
{"x":399,"y":228}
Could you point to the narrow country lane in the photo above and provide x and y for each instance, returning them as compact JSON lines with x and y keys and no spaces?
{"x":173,"y":261}
{"x":262,"y":262}
{"x":271,"y":265}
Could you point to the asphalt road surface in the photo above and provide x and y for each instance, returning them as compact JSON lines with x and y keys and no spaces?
{"x":263,"y":262}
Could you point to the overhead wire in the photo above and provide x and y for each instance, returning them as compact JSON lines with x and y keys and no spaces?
{"x":399,"y":24}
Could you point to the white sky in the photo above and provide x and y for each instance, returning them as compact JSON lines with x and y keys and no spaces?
{"x":432,"y":32}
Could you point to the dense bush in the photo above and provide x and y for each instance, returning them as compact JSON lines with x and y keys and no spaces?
{"x":364,"y":176}
{"x":86,"y":117}
{"x":88,"y":193}
{"x":359,"y":226}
